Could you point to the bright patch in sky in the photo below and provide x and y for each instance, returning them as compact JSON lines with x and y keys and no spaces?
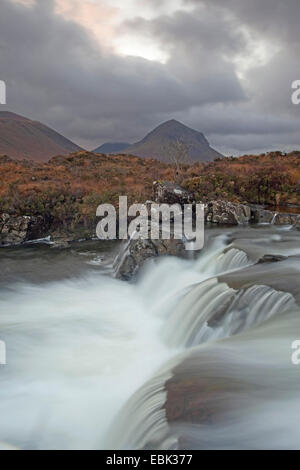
{"x":102,"y":18}
{"x":27,"y":3}
{"x":130,"y":45}
{"x":260,"y":52}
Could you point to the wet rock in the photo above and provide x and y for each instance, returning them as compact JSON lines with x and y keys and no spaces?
{"x":272,"y":258}
{"x":136,"y":251}
{"x":261,"y":216}
{"x":297,"y":223}
{"x":284,"y":219}
{"x":19,"y":229}
{"x":60,"y":244}
{"x":228,"y":213}
{"x":166,"y":192}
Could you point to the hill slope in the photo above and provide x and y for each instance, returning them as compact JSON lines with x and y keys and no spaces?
{"x":22,"y":138}
{"x":158,"y":143}
{"x":112,"y":147}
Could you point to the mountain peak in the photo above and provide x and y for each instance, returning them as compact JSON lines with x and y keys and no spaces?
{"x":21,"y":137}
{"x":158,"y":143}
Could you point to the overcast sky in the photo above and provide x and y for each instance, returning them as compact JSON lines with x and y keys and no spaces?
{"x":111,"y":70}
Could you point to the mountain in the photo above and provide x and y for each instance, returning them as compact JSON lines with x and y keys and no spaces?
{"x":21,"y":137}
{"x":158,"y":143}
{"x":112,"y":147}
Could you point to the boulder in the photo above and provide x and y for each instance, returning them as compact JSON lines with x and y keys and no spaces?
{"x":136,"y":251}
{"x":297,"y":223}
{"x":166,"y":192}
{"x":19,"y":229}
{"x":261,"y":216}
{"x":272,"y":258}
{"x":228,"y":213}
{"x":284,"y":219}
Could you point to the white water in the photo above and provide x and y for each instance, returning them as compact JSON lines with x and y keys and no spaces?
{"x":78,"y":350}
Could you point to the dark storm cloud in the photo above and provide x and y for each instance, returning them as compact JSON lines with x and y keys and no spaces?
{"x":210,"y":41}
{"x":56,"y":73}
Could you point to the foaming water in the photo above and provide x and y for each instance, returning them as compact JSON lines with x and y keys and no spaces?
{"x":255,"y":403}
{"x":212,"y":310}
{"x":76,"y":350}
{"x":237,"y":393}
{"x":90,"y":358}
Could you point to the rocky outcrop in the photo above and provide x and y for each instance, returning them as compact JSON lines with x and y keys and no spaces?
{"x":259,"y":215}
{"x":297,"y":223}
{"x":170,"y":193}
{"x":284,"y":219}
{"x":136,"y":252}
{"x":15,"y":230}
{"x":228,"y":213}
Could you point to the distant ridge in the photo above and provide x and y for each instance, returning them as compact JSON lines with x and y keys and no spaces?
{"x":157,"y":142}
{"x":112,"y":147}
{"x":21,"y":138}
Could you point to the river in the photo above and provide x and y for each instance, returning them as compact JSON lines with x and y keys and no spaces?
{"x":194,"y":353}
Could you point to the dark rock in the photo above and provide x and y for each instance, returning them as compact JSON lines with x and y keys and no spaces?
{"x":171,"y":193}
{"x":19,"y":229}
{"x":136,"y":251}
{"x":225,"y":212}
{"x":272,"y":258}
{"x":284,"y":219}
{"x":297,"y":223}
{"x":261,"y":216}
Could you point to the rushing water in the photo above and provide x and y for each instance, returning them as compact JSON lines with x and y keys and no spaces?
{"x":193,"y":354}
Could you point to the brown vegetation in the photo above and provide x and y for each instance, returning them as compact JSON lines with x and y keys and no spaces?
{"x":67,"y":190}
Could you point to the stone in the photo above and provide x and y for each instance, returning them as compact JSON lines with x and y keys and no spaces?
{"x":261,"y":216}
{"x":136,"y":251}
{"x":166,"y":192}
{"x":297,"y":223}
{"x":227,"y":213}
{"x":284,"y":219}
{"x":15,"y":230}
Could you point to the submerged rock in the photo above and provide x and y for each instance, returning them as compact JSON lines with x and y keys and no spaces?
{"x":19,"y":229}
{"x":271,"y":258}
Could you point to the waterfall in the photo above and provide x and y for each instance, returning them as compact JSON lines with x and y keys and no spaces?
{"x":212,"y":310}
{"x":274,"y":218}
{"x":149,"y":427}
{"x":235,"y":342}
{"x":94,"y":362}
{"x":248,"y":390}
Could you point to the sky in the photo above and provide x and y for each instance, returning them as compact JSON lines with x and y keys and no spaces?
{"x":111,"y":70}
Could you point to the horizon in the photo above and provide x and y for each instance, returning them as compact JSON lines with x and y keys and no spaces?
{"x":148,"y":132}
{"x":95,"y":92}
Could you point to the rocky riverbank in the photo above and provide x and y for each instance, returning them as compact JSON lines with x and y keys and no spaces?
{"x":15,"y":230}
{"x":136,"y":252}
